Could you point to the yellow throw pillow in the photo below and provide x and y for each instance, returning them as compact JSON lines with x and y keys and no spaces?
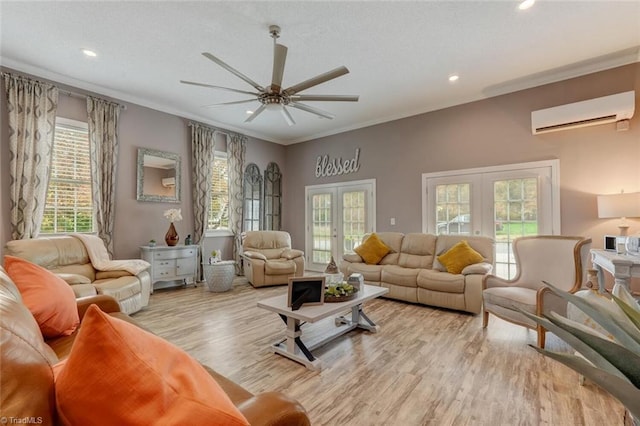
{"x":459,"y":257}
{"x":372,"y":250}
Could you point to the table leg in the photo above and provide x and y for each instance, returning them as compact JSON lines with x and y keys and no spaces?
{"x":357,"y":317}
{"x":293,"y":347}
{"x":601,"y":288}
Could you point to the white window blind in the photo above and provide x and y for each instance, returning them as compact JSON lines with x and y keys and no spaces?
{"x":69,"y":206}
{"x":219,"y":209}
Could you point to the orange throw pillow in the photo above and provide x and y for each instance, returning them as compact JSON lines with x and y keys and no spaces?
{"x":49,"y":298}
{"x":372,"y":250}
{"x":459,"y":257}
{"x":119,"y":374}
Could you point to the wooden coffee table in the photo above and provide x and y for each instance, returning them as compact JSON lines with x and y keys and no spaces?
{"x":294,"y":348}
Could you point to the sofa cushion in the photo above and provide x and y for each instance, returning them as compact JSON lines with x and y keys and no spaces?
{"x":370,"y":273}
{"x":279,"y":267}
{"x":143,"y":377}
{"x":393,"y":240}
{"x":459,"y":256}
{"x":49,"y":298}
{"x":417,"y":251}
{"x":397,"y":275}
{"x":120,"y":288}
{"x":25,"y":358}
{"x":372,"y":250}
{"x":440,"y":281}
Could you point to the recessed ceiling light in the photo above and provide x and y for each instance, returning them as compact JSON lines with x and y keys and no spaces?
{"x":526,"y":4}
{"x":453,"y":78}
{"x":249,"y":111}
{"x":89,"y":52}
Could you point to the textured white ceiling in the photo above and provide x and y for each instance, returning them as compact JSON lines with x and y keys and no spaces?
{"x":400,"y":54}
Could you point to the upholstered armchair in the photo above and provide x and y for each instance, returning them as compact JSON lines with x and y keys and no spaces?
{"x":269,"y":258}
{"x":559,"y":260}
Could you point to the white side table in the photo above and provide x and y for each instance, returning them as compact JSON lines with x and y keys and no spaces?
{"x":171,"y":263}
{"x":621,"y":266}
{"x":219,"y":275}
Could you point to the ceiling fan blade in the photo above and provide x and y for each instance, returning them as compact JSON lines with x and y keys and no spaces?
{"x":229,"y":103}
{"x":287,"y":116}
{"x":255,"y":113}
{"x":279,"y":59}
{"x":329,"y":75}
{"x":312,"y":110}
{"x":193,"y":83}
{"x":335,"y":98}
{"x":233,"y":71}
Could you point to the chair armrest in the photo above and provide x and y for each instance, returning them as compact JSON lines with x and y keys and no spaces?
{"x":106,"y":304}
{"x":352,"y":257}
{"x":291,"y":253}
{"x":103,"y":275}
{"x":481,"y":268}
{"x":490,"y":281}
{"x":273,"y":408}
{"x":254,"y":255}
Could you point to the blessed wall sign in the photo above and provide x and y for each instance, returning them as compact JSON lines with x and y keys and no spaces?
{"x":327,"y":166}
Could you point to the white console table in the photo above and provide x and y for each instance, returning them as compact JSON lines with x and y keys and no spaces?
{"x":621,"y":266}
{"x":171,"y":263}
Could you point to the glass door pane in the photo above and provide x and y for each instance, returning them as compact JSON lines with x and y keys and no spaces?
{"x":453,"y":209}
{"x":322,"y":228}
{"x":515,"y":207}
{"x":354,"y":225}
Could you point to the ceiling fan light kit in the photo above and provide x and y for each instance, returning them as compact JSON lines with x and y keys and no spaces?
{"x":273,"y":97}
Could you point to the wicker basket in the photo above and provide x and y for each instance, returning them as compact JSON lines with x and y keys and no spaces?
{"x":220,"y":275}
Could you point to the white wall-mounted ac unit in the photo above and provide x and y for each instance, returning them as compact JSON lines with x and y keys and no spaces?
{"x":608,"y":109}
{"x":168,"y":182}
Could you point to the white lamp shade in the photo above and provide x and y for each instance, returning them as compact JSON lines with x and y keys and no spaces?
{"x":619,"y":205}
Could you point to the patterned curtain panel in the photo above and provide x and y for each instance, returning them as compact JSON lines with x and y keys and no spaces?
{"x":31,"y":106}
{"x":202,"y":150}
{"x":103,"y":145}
{"x":236,"y":150}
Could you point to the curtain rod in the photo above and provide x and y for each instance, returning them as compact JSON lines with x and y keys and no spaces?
{"x":73,"y":94}
{"x":215,"y":129}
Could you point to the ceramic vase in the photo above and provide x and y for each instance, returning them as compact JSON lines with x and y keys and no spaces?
{"x":172,"y":237}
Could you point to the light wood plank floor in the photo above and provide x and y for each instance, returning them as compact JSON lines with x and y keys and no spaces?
{"x":427,"y":366}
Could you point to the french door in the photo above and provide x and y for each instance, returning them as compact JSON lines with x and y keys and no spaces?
{"x":504,"y":203}
{"x":337,"y":217}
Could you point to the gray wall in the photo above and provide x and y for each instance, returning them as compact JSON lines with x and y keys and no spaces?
{"x":138,"y":222}
{"x":495,"y":131}
{"x":594,"y":160}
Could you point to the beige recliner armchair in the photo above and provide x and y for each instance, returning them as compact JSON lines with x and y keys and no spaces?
{"x":269,"y":258}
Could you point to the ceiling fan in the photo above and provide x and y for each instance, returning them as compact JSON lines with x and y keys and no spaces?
{"x":274,"y":97}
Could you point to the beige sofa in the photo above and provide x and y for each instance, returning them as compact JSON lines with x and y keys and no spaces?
{"x":68,"y":257}
{"x":412,"y":272}
{"x":269,"y":259}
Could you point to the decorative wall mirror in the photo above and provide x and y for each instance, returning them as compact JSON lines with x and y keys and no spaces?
{"x":252,"y":198}
{"x":158,"y":176}
{"x":272,"y":197}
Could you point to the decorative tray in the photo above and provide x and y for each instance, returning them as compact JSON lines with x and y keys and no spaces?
{"x":340,"y":293}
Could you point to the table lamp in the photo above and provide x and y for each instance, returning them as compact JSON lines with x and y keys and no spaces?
{"x":619,"y":205}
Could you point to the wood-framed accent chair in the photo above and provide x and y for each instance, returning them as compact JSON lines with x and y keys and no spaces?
{"x":559,"y":260}
{"x":269,"y":259}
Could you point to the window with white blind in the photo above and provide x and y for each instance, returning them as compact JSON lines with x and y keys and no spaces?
{"x":69,"y":207}
{"x":219,"y":208}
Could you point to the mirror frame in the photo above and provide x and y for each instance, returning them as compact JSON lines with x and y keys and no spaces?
{"x":140,"y":195}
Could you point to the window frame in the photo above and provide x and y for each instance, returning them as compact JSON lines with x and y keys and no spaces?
{"x":84,"y":125}
{"x":220,"y":232}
